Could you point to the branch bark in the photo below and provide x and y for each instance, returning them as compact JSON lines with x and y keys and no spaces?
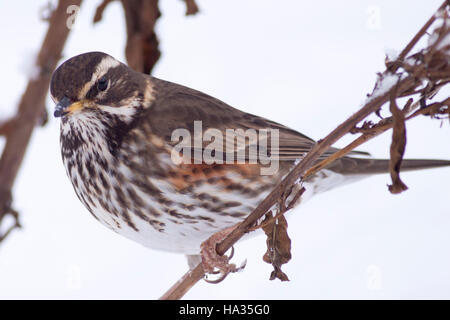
{"x":142,"y":48}
{"x":32,"y":105}
{"x":191,"y":7}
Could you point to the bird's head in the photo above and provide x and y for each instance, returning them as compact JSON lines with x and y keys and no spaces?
{"x":97,"y":84}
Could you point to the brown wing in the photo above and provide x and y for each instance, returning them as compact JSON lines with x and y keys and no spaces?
{"x":176,"y":106}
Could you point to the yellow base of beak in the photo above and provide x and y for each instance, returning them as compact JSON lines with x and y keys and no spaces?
{"x":76,"y":106}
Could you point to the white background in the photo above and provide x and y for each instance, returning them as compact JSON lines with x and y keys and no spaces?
{"x":306,"y":64}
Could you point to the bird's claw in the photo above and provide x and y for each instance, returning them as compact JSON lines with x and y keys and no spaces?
{"x":213,"y":263}
{"x":231,"y":268}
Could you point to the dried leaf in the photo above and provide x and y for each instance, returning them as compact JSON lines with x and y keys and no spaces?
{"x":278,"y":245}
{"x":397,"y":147}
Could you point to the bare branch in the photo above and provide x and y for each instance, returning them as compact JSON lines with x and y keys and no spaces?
{"x":191,"y":7}
{"x":417,"y":37}
{"x":141,"y":50}
{"x":32,"y":104}
{"x":99,"y":11}
{"x":7,"y":126}
{"x":182,"y":286}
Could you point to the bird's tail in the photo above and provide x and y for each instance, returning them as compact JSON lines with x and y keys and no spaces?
{"x":358,"y":166}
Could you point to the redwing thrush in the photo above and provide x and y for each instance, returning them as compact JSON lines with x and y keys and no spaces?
{"x":117,"y":144}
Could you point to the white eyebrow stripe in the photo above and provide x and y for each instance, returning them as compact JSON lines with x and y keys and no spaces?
{"x":102,"y":68}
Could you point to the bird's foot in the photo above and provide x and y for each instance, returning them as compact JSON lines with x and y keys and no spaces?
{"x":212,"y":262}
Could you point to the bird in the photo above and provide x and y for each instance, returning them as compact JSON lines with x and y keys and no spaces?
{"x":119,"y":147}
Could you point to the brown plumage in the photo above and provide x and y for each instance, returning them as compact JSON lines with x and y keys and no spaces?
{"x":117,"y":147}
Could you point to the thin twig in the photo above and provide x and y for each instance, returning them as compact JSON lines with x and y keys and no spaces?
{"x":98,"y":16}
{"x":189,"y":279}
{"x":191,"y":7}
{"x":417,"y":37}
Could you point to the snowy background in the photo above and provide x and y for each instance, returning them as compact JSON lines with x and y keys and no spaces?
{"x":306,"y":64}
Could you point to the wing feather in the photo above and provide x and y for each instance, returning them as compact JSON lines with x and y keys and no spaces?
{"x":176,"y":107}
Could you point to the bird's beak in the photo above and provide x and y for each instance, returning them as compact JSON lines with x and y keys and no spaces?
{"x":61,"y":107}
{"x":66,"y":106}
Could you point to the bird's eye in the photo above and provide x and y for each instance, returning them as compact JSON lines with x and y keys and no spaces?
{"x":102,"y":84}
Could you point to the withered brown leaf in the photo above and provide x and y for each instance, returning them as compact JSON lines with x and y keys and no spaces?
{"x":278,"y":245}
{"x":397,"y":147}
